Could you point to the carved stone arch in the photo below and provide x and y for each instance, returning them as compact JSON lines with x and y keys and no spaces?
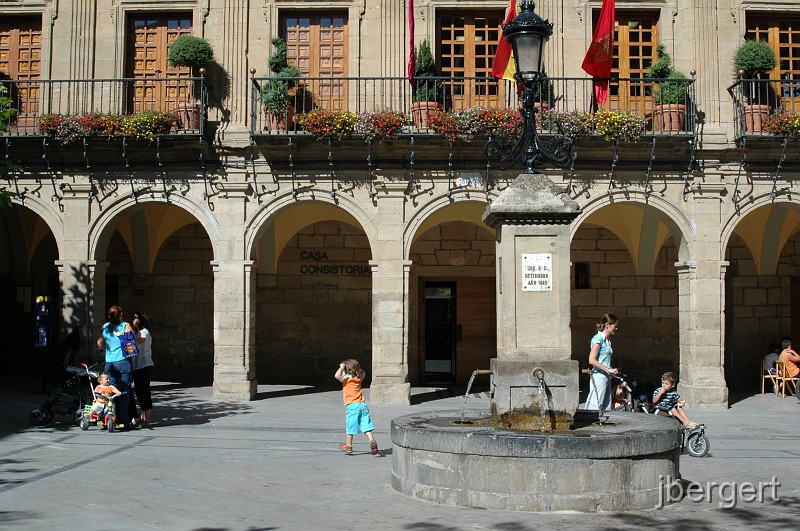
{"x":767,"y":245}
{"x":45,"y":211}
{"x":258,"y":224}
{"x":737,"y":215}
{"x":680,"y":226}
{"x":102,"y":228}
{"x":420,"y":216}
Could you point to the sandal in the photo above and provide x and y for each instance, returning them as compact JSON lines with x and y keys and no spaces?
{"x":373,"y":447}
{"x":691,"y":425}
{"x":346,"y":449}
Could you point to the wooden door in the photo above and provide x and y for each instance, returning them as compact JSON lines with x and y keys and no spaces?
{"x":317,"y":45}
{"x":467,"y":45}
{"x":148,"y":38}
{"x":783,"y":36}
{"x":635,"y":40}
{"x":20,"y":60}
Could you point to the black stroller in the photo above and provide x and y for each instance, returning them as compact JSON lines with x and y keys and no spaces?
{"x":76,"y":390}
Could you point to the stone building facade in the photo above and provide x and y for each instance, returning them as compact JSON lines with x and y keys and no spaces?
{"x":267,"y":257}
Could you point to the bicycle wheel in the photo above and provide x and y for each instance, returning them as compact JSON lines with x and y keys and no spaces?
{"x":698,"y":445}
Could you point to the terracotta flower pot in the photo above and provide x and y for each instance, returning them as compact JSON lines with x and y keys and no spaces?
{"x":189,"y":116}
{"x":754,"y":117}
{"x":669,"y":117}
{"x":420,"y":111}
{"x":280,"y":121}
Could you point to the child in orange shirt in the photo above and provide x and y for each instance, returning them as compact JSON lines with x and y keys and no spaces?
{"x":102,"y":393}
{"x":357,"y":415}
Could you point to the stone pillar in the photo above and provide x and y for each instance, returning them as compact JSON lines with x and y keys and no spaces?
{"x":390,"y":274}
{"x":82,"y":281}
{"x":97,"y":299}
{"x":234,"y":368}
{"x":389,"y":325}
{"x":701,"y":303}
{"x":532,"y":218}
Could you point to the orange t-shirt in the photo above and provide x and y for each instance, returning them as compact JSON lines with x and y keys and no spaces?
{"x":351,"y":386}
{"x":791,"y":367}
{"x":106,"y":391}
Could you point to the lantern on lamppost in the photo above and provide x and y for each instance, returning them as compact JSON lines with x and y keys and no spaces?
{"x":527,"y":34}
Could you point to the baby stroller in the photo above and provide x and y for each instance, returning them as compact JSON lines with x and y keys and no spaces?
{"x":68,"y":398}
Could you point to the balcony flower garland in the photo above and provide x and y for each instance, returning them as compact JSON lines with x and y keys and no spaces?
{"x":571,"y":124}
{"x":325,"y":124}
{"x":619,"y":125}
{"x":380,"y":125}
{"x":67,"y":128}
{"x":146,"y":125}
{"x":466,"y":124}
{"x":784,"y":124}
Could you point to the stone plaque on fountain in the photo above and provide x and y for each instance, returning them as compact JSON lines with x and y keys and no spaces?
{"x":532,"y":218}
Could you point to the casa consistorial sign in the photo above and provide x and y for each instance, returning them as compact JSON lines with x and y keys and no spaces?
{"x":537,"y":272}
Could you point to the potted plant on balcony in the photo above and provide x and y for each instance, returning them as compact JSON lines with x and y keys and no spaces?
{"x":194,"y":53}
{"x":428,"y":91}
{"x":752,"y":61}
{"x":282,"y":91}
{"x":670,"y":93}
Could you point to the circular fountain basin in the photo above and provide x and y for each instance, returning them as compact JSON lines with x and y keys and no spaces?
{"x":619,"y":465}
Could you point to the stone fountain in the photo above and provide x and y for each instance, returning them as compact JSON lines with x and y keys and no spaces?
{"x":534,"y":450}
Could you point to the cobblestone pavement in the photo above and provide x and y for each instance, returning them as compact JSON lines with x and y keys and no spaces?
{"x":274,"y":463}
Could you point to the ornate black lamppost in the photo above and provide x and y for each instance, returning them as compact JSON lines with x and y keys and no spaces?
{"x":528,"y":33}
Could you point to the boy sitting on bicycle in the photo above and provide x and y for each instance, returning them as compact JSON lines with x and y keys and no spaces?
{"x":668,"y":402}
{"x":102,"y":394}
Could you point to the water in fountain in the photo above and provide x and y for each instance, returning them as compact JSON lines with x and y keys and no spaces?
{"x":469,"y":386}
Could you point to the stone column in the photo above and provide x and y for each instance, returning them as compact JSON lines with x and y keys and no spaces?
{"x":532,"y":218}
{"x":390,"y":274}
{"x":234,"y":368}
{"x":701,"y":302}
{"x":97,"y":299}
{"x":82,"y":281}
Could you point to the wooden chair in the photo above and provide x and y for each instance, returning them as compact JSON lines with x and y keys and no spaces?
{"x":784,"y":380}
{"x":768,"y":376}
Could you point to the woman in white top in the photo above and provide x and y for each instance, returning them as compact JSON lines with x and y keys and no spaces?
{"x":600,"y":362}
{"x":143,"y":365}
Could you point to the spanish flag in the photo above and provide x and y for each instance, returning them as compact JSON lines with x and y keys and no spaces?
{"x":600,"y":54}
{"x":503,"y":66}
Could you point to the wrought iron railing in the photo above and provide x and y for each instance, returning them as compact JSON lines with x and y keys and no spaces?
{"x":34,"y":99}
{"x":568,"y":95}
{"x":766,"y":108}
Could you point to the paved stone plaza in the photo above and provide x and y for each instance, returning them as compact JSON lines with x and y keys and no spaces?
{"x":274,"y":463}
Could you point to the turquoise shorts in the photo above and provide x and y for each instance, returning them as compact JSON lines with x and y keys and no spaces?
{"x":358,"y":419}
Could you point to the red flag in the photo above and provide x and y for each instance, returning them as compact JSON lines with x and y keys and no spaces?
{"x":504,"y":66}
{"x":600,"y":54}
{"x":412,"y":62}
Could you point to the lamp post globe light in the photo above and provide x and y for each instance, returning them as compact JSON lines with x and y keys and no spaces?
{"x":527,"y":34}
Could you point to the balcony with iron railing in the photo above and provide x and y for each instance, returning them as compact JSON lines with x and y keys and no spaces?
{"x":636,"y":111}
{"x":766,"y":110}
{"x":37,"y":101}
{"x":560,"y":95}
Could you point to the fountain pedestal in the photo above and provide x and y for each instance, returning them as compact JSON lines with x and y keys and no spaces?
{"x":520,"y":402}
{"x":532,"y":219}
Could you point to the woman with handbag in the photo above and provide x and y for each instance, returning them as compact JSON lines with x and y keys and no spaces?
{"x":115,"y":340}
